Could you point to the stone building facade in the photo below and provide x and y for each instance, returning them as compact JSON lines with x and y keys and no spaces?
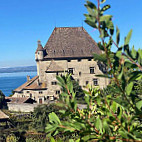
{"x":67,"y":50}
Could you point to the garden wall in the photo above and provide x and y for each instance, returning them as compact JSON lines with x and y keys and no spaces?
{"x":24,"y":107}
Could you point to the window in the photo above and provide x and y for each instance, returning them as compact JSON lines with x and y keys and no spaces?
{"x":87,"y":82}
{"x":40,"y":92}
{"x":89,"y":59}
{"x":28,"y":92}
{"x":57,"y":73}
{"x":79,"y":73}
{"x":95,"y":82}
{"x":57,"y":92}
{"x":79,"y":60}
{"x":91,"y":70}
{"x":69,"y":60}
{"x":78,"y":81}
{"x":70,"y":70}
{"x":54,"y":83}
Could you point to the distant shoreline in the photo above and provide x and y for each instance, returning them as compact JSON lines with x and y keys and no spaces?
{"x":18,"y":69}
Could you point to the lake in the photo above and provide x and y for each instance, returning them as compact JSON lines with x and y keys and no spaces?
{"x":10,"y":81}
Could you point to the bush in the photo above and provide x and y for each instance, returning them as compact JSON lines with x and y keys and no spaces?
{"x":40,"y":116}
{"x":12,"y":138}
{"x":114,"y":113}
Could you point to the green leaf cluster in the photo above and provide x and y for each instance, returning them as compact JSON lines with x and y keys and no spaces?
{"x":115,"y":112}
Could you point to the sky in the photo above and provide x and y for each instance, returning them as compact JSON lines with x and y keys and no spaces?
{"x":23,"y":22}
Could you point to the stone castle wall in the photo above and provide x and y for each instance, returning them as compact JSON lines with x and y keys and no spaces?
{"x":81,"y":73}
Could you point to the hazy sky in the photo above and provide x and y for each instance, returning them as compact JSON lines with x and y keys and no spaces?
{"x":23,"y":22}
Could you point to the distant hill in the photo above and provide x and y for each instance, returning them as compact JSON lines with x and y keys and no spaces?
{"x":18,"y":69}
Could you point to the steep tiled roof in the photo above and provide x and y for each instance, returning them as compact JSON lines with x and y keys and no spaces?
{"x":32,"y":84}
{"x":3,"y":115}
{"x":53,"y":67}
{"x":28,"y":83}
{"x":70,"y":42}
{"x":36,"y":86}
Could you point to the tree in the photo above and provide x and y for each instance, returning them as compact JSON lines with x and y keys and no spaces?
{"x":114,"y":113}
{"x":40,"y":116}
{"x":2,"y":98}
{"x":12,"y":93}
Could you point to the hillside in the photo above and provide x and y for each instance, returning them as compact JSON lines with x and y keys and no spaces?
{"x":18,"y":69}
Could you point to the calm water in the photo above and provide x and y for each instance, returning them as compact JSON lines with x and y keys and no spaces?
{"x":10,"y":81}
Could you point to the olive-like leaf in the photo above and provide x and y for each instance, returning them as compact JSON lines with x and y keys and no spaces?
{"x":127,"y":39}
{"x":106,"y":7}
{"x":103,"y":1}
{"x":129,"y":88}
{"x":117,"y":35}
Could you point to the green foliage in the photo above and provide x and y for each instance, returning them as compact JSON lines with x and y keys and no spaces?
{"x":12,"y":93}
{"x":2,"y":98}
{"x":40,"y":116}
{"x":36,"y":137}
{"x":115,"y":112}
{"x":11,"y":138}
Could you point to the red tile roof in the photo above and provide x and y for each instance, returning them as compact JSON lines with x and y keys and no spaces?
{"x":32,"y":85}
{"x":28,"y":83}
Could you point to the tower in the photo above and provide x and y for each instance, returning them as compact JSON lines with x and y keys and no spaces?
{"x":39,"y":54}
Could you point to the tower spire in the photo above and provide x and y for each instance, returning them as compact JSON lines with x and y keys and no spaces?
{"x":39,"y":46}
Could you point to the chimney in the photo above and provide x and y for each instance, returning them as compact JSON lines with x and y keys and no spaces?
{"x":28,"y":78}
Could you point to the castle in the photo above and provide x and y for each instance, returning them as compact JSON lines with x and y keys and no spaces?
{"x":69,"y":49}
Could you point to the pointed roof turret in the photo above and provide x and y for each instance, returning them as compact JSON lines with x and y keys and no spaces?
{"x":39,"y":47}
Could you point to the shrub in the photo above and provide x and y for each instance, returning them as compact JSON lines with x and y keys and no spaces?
{"x":12,"y":138}
{"x":114,"y":113}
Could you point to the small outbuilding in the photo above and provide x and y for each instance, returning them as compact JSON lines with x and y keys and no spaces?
{"x":3,"y":117}
{"x":20,"y":104}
